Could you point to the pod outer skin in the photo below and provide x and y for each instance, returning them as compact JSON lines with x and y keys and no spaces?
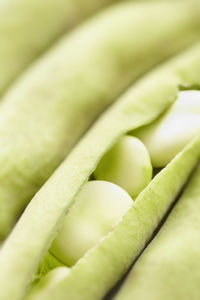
{"x":57,"y":99}
{"x":32,"y":236}
{"x":28,"y":28}
{"x":169,"y":268}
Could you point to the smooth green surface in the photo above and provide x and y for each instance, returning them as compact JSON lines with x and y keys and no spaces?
{"x":97,"y":209}
{"x":170,"y":266}
{"x":127,"y":164}
{"x":55,"y":102}
{"x":168,"y":135}
{"x":28,"y":27}
{"x":27,"y":244}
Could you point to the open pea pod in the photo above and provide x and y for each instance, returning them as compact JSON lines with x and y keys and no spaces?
{"x":28,"y":28}
{"x":46,"y":112}
{"x":102,"y":267}
{"x":97,"y":271}
{"x":169,"y":267}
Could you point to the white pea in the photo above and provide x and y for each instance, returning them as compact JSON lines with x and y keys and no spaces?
{"x":127,"y":164}
{"x":98,"y":207}
{"x":168,"y":135}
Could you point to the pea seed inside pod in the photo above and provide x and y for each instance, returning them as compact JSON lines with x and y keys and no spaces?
{"x":98,"y":207}
{"x":127,"y":164}
{"x":168,"y":135}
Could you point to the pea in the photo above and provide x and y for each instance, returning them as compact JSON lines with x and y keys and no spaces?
{"x":99,"y":206}
{"x":168,"y":135}
{"x":127,"y":164}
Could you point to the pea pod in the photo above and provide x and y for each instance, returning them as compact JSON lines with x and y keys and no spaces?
{"x":169,"y":267}
{"x":33,"y":234}
{"x":127,"y":164}
{"x":95,"y":273}
{"x":53,"y":104}
{"x":28,"y":28}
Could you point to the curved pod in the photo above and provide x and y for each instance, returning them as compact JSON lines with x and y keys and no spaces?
{"x":44,"y":114}
{"x":47,"y":209}
{"x":28,"y":28}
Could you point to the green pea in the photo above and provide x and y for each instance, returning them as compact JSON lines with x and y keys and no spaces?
{"x":99,"y":206}
{"x":168,"y":135}
{"x":127,"y":164}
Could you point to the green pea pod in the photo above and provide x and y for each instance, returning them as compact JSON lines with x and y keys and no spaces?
{"x":169,"y":267}
{"x":27,"y":28}
{"x":102,"y":267}
{"x":55,"y":102}
{"x":95,"y":273}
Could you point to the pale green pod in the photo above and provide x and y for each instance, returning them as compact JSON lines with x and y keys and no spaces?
{"x":168,"y":135}
{"x":127,"y":164}
{"x":104,"y":265}
{"x":29,"y":27}
{"x":53,"y":104}
{"x":32,"y":236}
{"x":170,"y":266}
{"x":99,"y":206}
